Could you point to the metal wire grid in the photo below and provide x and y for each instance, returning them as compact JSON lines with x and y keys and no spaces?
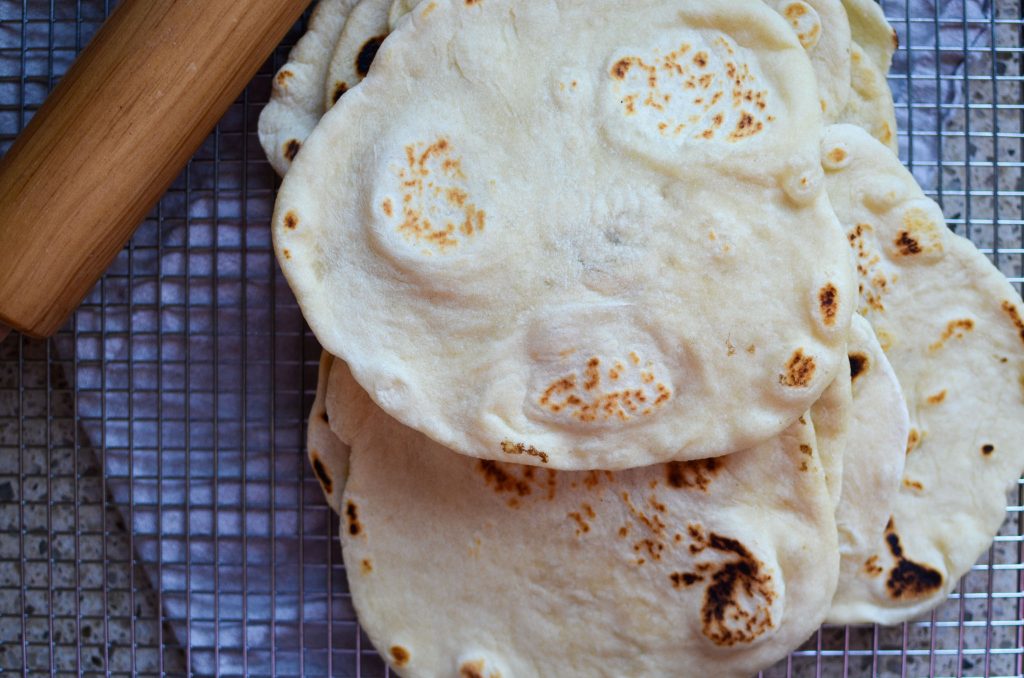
{"x":157,"y":516}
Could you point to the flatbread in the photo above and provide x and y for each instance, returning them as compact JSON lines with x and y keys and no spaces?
{"x":823,"y":30}
{"x":467,"y":567}
{"x":873,"y":462}
{"x":872,"y":32}
{"x":296,"y":100}
{"x":870,"y":105}
{"x":820,"y":25}
{"x":953,"y":329}
{"x":576,"y":314}
{"x":327,"y":454}
{"x":365,"y":30}
{"x":832,"y":415}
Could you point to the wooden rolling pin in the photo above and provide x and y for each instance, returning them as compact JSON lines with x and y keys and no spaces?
{"x":113,"y":136}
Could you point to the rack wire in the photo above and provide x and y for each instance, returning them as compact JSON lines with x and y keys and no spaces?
{"x":157,"y":516}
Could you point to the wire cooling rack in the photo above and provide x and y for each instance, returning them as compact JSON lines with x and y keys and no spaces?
{"x":157,"y":515}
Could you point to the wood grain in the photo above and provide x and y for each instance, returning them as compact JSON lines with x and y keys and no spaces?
{"x":112,"y":137}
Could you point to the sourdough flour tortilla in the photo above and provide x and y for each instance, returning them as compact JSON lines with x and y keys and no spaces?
{"x":557,"y":270}
{"x":327,"y":454}
{"x":468,"y":567}
{"x":296,"y":100}
{"x":953,"y":329}
{"x":364,"y":31}
{"x":873,"y":461}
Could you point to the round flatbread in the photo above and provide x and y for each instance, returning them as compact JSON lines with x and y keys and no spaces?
{"x":820,"y":25}
{"x":953,"y":329}
{"x":872,"y":32}
{"x":365,"y":30}
{"x":296,"y":100}
{"x":823,"y":30}
{"x":703,"y":568}
{"x":873,"y":462}
{"x":558,"y":269}
{"x":870,"y":105}
{"x":327,"y":454}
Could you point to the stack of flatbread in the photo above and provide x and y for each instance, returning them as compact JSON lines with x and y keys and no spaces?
{"x":644,"y":355}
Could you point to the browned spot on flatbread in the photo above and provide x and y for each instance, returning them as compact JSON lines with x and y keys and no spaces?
{"x":652,"y":547}
{"x":872,"y":568}
{"x":828,"y":301}
{"x":592,"y":374}
{"x":957,"y":329}
{"x":508,"y":447}
{"x":430,"y":175}
{"x":912,"y":484}
{"x":906,"y":245}
{"x":400,"y":655}
{"x":807,"y":451}
{"x":366,"y":566}
{"x":688,"y":474}
{"x":580,"y":518}
{"x":988,"y":449}
{"x":620,"y":68}
{"x":799,"y":370}
{"x":858,"y":365}
{"x":291,"y":149}
{"x":920,"y":231}
{"x":684,"y":579}
{"x":837,"y":154}
{"x":339,"y":89}
{"x":501,"y":479}
{"x":592,"y":479}
{"x":367,"y":53}
{"x":587,"y":401}
{"x":291,"y":221}
{"x":321,"y":472}
{"x":737,"y":604}
{"x":1010,"y":309}
{"x":472,"y":669}
{"x":654,"y":541}
{"x":746,"y":126}
{"x":352,"y":519}
{"x":908,"y":580}
{"x":913,"y":440}
{"x":282,"y":77}
{"x":287,"y":254}
{"x":937,"y":398}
